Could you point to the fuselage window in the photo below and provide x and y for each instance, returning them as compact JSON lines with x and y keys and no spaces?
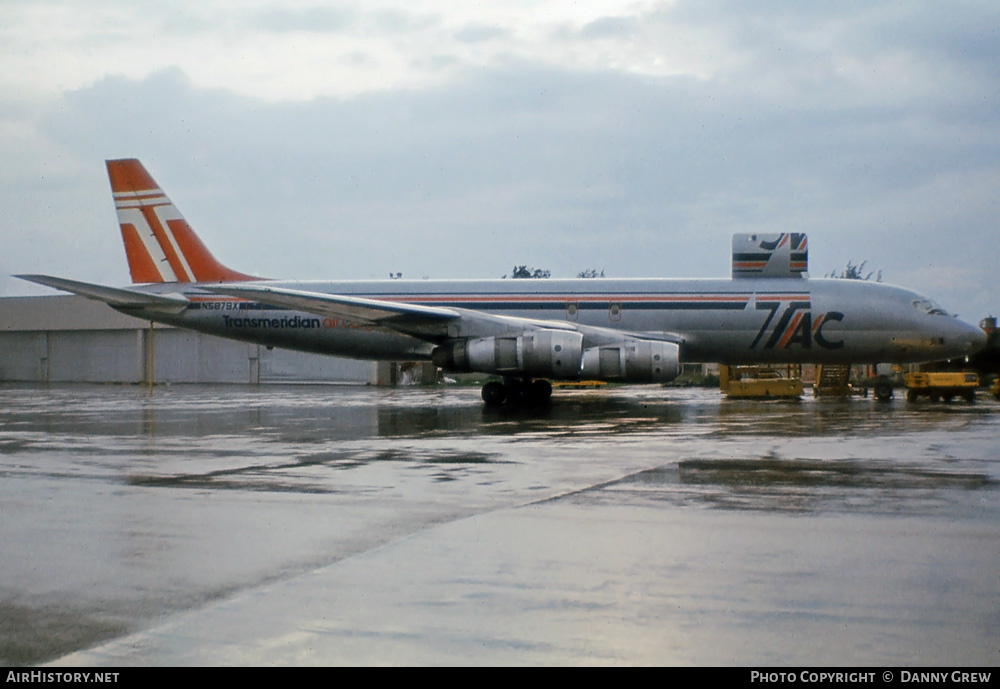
{"x":572,"y":310}
{"x":615,"y":311}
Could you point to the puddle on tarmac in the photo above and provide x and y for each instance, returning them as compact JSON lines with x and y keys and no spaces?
{"x":119,"y":507}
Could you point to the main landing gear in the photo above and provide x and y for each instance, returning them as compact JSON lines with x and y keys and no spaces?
{"x":517,"y":391}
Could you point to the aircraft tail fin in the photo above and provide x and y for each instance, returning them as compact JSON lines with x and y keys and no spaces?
{"x":159,"y":243}
{"x":770,"y":255}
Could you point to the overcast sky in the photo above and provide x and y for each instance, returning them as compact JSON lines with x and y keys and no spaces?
{"x":307,"y":139}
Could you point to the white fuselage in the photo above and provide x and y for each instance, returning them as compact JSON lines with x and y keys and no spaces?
{"x":734,"y":321}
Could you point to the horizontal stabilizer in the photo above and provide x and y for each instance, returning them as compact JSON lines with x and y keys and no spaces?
{"x":774,"y":255}
{"x":113,"y":296}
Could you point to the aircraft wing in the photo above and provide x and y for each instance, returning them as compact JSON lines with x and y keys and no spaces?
{"x":433,"y":323}
{"x":408,"y":318}
{"x":119,"y":298}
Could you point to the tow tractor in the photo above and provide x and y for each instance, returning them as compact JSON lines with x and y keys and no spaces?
{"x":940,"y":385}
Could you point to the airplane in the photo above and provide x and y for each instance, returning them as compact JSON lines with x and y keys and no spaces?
{"x":527,"y":332}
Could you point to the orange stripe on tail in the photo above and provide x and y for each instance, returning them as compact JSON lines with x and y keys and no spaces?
{"x":159,"y":243}
{"x":140,"y":263}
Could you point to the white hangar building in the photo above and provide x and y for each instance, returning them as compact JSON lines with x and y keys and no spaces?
{"x":69,"y":339}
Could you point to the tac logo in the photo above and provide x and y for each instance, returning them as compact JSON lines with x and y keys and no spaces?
{"x":790,"y":324}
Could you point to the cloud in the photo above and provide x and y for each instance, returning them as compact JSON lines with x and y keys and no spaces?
{"x":318,"y":19}
{"x":478,"y":33}
{"x":851,"y":124}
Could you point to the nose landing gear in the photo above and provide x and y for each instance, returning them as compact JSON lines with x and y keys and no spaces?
{"x":883,"y":389}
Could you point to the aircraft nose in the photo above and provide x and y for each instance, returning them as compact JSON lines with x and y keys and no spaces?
{"x":959,"y":339}
{"x":969,"y":338}
{"x":976,"y":339}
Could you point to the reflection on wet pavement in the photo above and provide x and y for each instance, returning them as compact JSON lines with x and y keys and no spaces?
{"x":797,"y":485}
{"x":119,"y":508}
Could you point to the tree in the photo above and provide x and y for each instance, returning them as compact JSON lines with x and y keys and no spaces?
{"x":856,"y":272}
{"x":520,"y":272}
{"x":591,"y":273}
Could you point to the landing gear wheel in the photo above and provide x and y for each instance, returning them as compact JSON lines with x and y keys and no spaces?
{"x":883,"y":390}
{"x":541,"y":391}
{"x":494,"y":394}
{"x":517,"y":392}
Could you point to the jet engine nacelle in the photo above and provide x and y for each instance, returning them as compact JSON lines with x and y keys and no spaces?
{"x":635,"y":361}
{"x":543,"y":353}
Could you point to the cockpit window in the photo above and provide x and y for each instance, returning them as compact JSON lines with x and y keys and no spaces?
{"x":929,"y":307}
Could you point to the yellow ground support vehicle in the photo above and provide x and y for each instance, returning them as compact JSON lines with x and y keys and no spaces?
{"x":941,"y":385}
{"x":761,"y":382}
{"x":995,"y":388}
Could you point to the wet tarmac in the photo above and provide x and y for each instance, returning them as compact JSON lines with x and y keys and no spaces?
{"x":213,"y":525}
